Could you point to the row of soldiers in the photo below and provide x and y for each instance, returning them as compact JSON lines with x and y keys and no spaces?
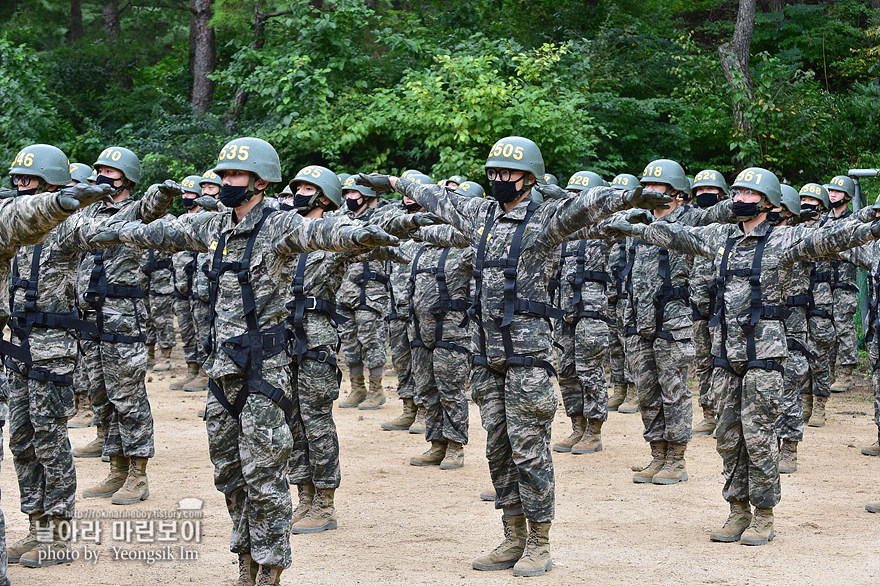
{"x":284,"y":283}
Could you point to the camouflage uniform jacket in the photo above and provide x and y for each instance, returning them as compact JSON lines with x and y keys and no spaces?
{"x":184,"y":265}
{"x":550,"y":224}
{"x":783,"y":246}
{"x":356,"y":291}
{"x":583,"y":266}
{"x":158,"y":280}
{"x":282,"y":237}
{"x":843,"y":274}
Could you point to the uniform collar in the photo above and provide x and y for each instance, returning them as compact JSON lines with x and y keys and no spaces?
{"x":675,"y":215}
{"x":518,"y":213}
{"x":247,"y":223}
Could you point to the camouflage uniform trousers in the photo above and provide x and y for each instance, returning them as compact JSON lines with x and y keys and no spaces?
{"x":874,"y":356}
{"x":616,"y":344}
{"x":249,"y":456}
{"x":315,"y":454}
{"x":117,"y":391}
{"x":160,"y":320}
{"x":441,"y":378}
{"x":39,"y":443}
{"x":845,"y":340}
{"x":790,"y":423}
{"x":703,"y":362}
{"x":582,"y":367}
{"x":820,"y":343}
{"x":401,"y":358}
{"x":88,"y":379}
{"x":363,"y":337}
{"x":660,"y":369}
{"x":187,"y":329}
{"x":748,"y":407}
{"x":80,"y":374}
{"x":4,"y":558}
{"x":517,"y":410}
{"x":201,"y":312}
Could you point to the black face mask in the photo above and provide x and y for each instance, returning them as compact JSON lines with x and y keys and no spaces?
{"x":743,"y":210}
{"x":413,"y":207}
{"x":285,"y":207}
{"x":775,"y":218}
{"x":104,"y":180}
{"x":27,"y":191}
{"x":354,"y":204}
{"x":706,"y":200}
{"x":188,"y":202}
{"x":812,"y":207}
{"x":506,"y":191}
{"x":303,"y":202}
{"x":839,"y":204}
{"x":233,"y":196}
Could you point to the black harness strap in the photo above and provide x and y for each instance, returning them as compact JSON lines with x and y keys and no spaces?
{"x":666,"y":294}
{"x":301,"y":303}
{"x":97,"y":293}
{"x":618,"y":268}
{"x":441,"y":309}
{"x":369,"y":275}
{"x":816,"y":278}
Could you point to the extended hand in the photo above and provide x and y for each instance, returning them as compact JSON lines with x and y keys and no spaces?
{"x":620,"y":228}
{"x":640,"y":217}
{"x":376,"y":181}
{"x":374,"y":236}
{"x":170,"y":187}
{"x":207,"y":202}
{"x":646,"y":199}
{"x":82,"y":195}
{"x":551,"y":191}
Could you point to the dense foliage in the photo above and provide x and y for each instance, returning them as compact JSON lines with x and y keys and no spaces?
{"x":430,"y":84}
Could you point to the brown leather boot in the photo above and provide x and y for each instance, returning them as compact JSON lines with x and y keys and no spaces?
{"x":658,"y":460}
{"x":578,"y":427}
{"x":94,"y":448}
{"x":488,"y":495}
{"x":404,"y":420}
{"x":738,"y":521}
{"x":306,"y":496}
{"x":29,"y":542}
{"x":164,"y":363}
{"x":591,"y":440}
{"x":119,"y":466}
{"x":268,"y":576}
{"x":192,"y":373}
{"x":321,"y":515}
{"x":808,"y":406}
{"x":707,"y":425}
{"x":419,"y":426}
{"x":454,"y":458}
{"x":50,"y":552}
{"x":136,"y":487}
{"x":631,"y":404}
{"x":247,"y":570}
{"x":788,"y":457}
{"x":375,"y":395}
{"x":358,"y":392}
{"x":760,"y":531}
{"x":535,"y":559}
{"x":84,"y":416}
{"x":510,"y":550}
{"x":200,"y":383}
{"x":673,"y":470}
{"x":817,"y":419}
{"x":433,"y":456}
{"x":843,"y":380}
{"x":618,"y":395}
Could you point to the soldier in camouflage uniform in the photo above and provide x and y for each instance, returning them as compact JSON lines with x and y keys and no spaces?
{"x":41,"y":355}
{"x":254,"y":250}
{"x":845,"y":292}
{"x":158,"y":283}
{"x":583,"y":332}
{"x":709,"y":187}
{"x":754,"y":261}
{"x":114,"y":354}
{"x":363,"y":299}
{"x":625,"y":397}
{"x":514,"y":239}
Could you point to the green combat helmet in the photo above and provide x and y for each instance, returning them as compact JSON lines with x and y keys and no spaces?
{"x":250,"y":154}
{"x":93,"y":177}
{"x":123,"y":159}
{"x":457,"y":179}
{"x":342,"y":177}
{"x":210,"y":177}
{"x":286,"y":192}
{"x":586,"y":180}
{"x":407,"y":173}
{"x":470,"y":189}
{"x":711,"y":178}
{"x":791,"y":199}
{"x":80,"y":173}
{"x":667,"y":172}
{"x":762,"y":181}
{"x":421,"y":179}
{"x":817,"y":191}
{"x":192,"y":184}
{"x":325,"y":180}
{"x":350,"y":185}
{"x":842,"y":183}
{"x":516,"y":152}
{"x":550,"y":179}
{"x":625,"y":182}
{"x":45,"y":161}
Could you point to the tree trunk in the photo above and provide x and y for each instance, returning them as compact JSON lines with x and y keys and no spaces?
{"x":202,"y":54}
{"x":76,"y":20}
{"x":735,"y":61}
{"x":112,"y":25}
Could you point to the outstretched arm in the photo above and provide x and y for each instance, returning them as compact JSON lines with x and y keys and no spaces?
{"x":444,"y":236}
{"x":157,"y":201}
{"x":699,"y":241}
{"x":294,"y":234}
{"x":831,"y":239}
{"x":27,"y":220}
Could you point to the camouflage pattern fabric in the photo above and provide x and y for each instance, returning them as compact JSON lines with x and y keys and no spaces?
{"x":822,"y":334}
{"x":616,"y":305}
{"x":796,"y":378}
{"x":4,"y":557}
{"x":183,"y":312}
{"x":160,"y":320}
{"x":845,"y":304}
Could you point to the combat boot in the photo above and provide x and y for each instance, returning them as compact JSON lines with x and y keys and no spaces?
{"x":578,"y":427}
{"x":673,"y":470}
{"x":817,"y":419}
{"x":119,"y":466}
{"x":617,"y":397}
{"x":136,"y":487}
{"x":591,"y":440}
{"x":199,"y":383}
{"x":760,"y":532}
{"x":268,"y":576}
{"x":50,"y":552}
{"x":192,"y":373}
{"x":403,"y":421}
{"x":165,"y":362}
{"x":873,"y":449}
{"x":488,"y":495}
{"x":872,"y":507}
{"x":788,"y":457}
{"x":306,"y":496}
{"x":510,"y":550}
{"x":358,"y":392}
{"x":27,"y":543}
{"x":375,"y":395}
{"x":321,"y":515}
{"x":658,"y":460}
{"x":535,"y":559}
{"x":84,"y":416}
{"x":247,"y":570}
{"x":454,"y":457}
{"x":631,"y":403}
{"x":738,"y":521}
{"x":151,"y":355}
{"x":94,"y":448}
{"x":433,"y":456}
{"x":707,"y":425}
{"x":808,"y":407}
{"x":843,"y":381}
{"x":419,"y":425}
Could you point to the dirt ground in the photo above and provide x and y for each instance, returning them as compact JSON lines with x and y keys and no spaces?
{"x":404,"y":525}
